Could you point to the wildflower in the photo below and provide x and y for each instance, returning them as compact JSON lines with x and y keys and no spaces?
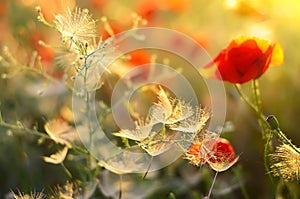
{"x":193,"y":155}
{"x":76,"y":26}
{"x":215,"y":151}
{"x":58,"y":157}
{"x":168,"y":110}
{"x":159,"y":142}
{"x":141,"y":131}
{"x":193,"y":124}
{"x":73,"y":190}
{"x":246,"y":58}
{"x":223,"y":156}
{"x":168,"y":119}
{"x":31,"y":196}
{"x":61,"y":132}
{"x":68,"y":191}
{"x":124,"y":162}
{"x":285,"y":163}
{"x":200,"y":147}
{"x":67,"y":59}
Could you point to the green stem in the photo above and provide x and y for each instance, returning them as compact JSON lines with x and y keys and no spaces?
{"x":266,"y":150}
{"x":257,"y":100}
{"x":90,"y":159}
{"x":260,"y":116}
{"x":24,"y":129}
{"x":257,"y":107}
{"x":244,"y":97}
{"x":66,"y":170}
{"x":265,"y":128}
{"x":256,"y":94}
{"x":264,"y":124}
{"x":281,"y":136}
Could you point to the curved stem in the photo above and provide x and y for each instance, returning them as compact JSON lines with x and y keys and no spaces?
{"x":257,"y":107}
{"x":244,"y":97}
{"x":261,"y":116}
{"x":281,"y":136}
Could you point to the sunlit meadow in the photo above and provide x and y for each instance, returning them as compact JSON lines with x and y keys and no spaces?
{"x":50,"y":143}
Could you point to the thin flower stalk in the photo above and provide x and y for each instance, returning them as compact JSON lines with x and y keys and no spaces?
{"x":263,"y":125}
{"x":279,"y":134}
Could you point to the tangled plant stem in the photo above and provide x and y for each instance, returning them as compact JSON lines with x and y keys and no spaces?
{"x":265,"y":130}
{"x":268,"y":130}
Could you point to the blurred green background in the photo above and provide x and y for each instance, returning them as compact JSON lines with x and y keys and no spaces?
{"x":211,"y":23}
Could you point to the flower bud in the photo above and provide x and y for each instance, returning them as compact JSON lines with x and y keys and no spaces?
{"x":273,"y":122}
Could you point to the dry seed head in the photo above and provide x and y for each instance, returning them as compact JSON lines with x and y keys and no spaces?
{"x":76,"y":26}
{"x":67,"y":191}
{"x":31,"y":196}
{"x":285,"y":163}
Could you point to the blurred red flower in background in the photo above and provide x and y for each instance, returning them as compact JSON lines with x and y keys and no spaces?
{"x":244,"y":59}
{"x":109,"y":29}
{"x":47,"y":54}
{"x":139,"y":57}
{"x":148,"y":9}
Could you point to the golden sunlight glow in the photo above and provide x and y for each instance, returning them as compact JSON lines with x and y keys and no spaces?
{"x":260,"y":30}
{"x":231,"y":3}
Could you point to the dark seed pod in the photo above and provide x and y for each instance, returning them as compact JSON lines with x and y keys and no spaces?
{"x":273,"y":122}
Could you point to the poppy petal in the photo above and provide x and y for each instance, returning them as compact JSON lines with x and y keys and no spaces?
{"x":245,"y":58}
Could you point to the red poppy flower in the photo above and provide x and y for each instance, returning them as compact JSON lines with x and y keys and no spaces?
{"x":193,"y":155}
{"x":218,"y":153}
{"x":245,"y":59}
